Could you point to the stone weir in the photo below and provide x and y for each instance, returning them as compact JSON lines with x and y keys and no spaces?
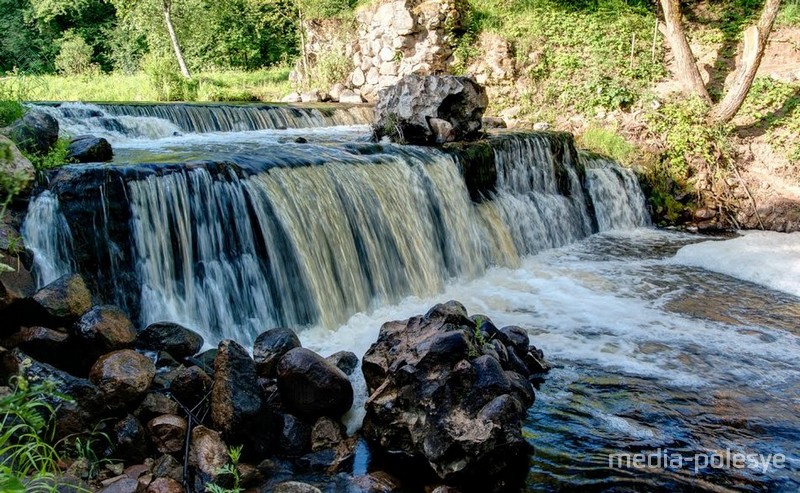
{"x":311,"y":234}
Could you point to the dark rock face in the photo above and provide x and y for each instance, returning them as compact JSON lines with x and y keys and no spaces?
{"x":270,"y":347}
{"x":440,"y":391}
{"x":236,"y":403}
{"x":430,"y":109}
{"x":46,"y":345}
{"x":104,"y":329}
{"x":130,"y":441}
{"x":123,"y":377}
{"x":175,"y":339}
{"x":16,"y":285}
{"x":35,"y":132}
{"x":89,"y":149}
{"x":63,"y":300}
{"x":345,"y":361}
{"x":312,"y":387}
{"x":190,"y":386}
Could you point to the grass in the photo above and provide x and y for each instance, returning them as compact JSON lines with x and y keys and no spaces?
{"x":608,"y":142}
{"x":577,"y":59}
{"x":263,"y":85}
{"x":789,"y":14}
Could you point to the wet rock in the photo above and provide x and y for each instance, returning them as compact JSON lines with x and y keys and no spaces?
{"x":345,"y":361}
{"x":165,"y":485}
{"x":517,"y":337}
{"x":403,"y":112}
{"x":207,"y":454}
{"x":35,"y":133}
{"x":311,"y":387}
{"x":122,"y":485}
{"x":168,"y":433}
{"x":89,"y":149}
{"x":104,"y":329}
{"x":43,"y":344}
{"x":236,"y":403}
{"x":123,"y":377}
{"x":191,"y":386}
{"x":17,"y":284}
{"x":205,"y":361}
{"x":294,"y":436}
{"x":439,"y":392}
{"x":326,"y":433}
{"x":173,"y":338}
{"x":155,"y":404}
{"x":378,"y":482}
{"x":168,"y":466}
{"x":63,"y":300}
{"x":73,"y":416}
{"x":270,"y":347}
{"x":130,"y":441}
{"x":295,"y":487}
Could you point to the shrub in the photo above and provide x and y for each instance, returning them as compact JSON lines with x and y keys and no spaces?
{"x":166,"y":80}
{"x":75,"y":56}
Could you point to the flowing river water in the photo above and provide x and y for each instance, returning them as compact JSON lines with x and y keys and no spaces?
{"x":670,"y":367}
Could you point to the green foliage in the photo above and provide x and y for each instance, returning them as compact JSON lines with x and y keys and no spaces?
{"x":166,"y":79}
{"x":27,"y":461}
{"x":774,"y":108}
{"x":85,"y":447}
{"x":323,"y":9}
{"x":53,"y":159}
{"x":75,"y":56}
{"x":790,"y":13}
{"x":230,"y":470}
{"x":10,"y":111}
{"x":330,"y":67}
{"x":608,"y":142}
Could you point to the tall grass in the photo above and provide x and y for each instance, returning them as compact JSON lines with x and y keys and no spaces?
{"x":263,"y":85}
{"x":609,"y":143}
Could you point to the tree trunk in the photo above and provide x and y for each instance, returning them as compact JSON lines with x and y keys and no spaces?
{"x":688,"y":73}
{"x":174,"y":37}
{"x":755,"y":41}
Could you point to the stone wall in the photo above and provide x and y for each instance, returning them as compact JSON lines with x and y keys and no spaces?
{"x":401,"y":37}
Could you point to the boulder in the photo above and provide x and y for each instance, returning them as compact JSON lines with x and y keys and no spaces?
{"x":155,"y":404}
{"x":165,"y":485}
{"x":294,"y":436}
{"x":336,"y":91}
{"x":326,"y":433}
{"x":439,"y":392}
{"x":236,"y":403}
{"x":63,"y":300}
{"x":13,"y":163}
{"x":104,"y":329}
{"x":345,"y":361}
{"x":173,"y":338}
{"x":312,"y":387}
{"x":404,"y":111}
{"x":123,"y":377}
{"x":89,"y":149}
{"x":377,"y":482}
{"x":46,"y":345}
{"x":190,"y":386}
{"x":122,"y":485}
{"x":35,"y":133}
{"x":270,"y":347}
{"x":312,"y":96}
{"x":15,"y":284}
{"x":129,"y":440}
{"x":168,"y":433}
{"x":295,"y":487}
{"x":292,"y":97}
{"x":207,"y":454}
{"x":168,"y":466}
{"x":72,"y":416}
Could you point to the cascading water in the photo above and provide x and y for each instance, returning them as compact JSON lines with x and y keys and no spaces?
{"x":47,"y":234}
{"x":615,"y":193}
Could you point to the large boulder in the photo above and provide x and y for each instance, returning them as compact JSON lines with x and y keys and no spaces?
{"x":430,"y":110}
{"x":35,"y":132}
{"x":236,"y":402}
{"x":123,"y":377}
{"x":270,"y":346}
{"x":311,"y":386}
{"x":14,"y":164}
{"x":207,"y":454}
{"x":440,"y":392}
{"x":89,"y":149}
{"x":173,"y":338}
{"x":63,"y":300}
{"x":168,"y":433}
{"x":104,"y":329}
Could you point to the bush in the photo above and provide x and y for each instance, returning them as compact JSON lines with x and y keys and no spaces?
{"x":166,"y":80}
{"x":608,"y":142}
{"x":75,"y":56}
{"x":331,"y":67}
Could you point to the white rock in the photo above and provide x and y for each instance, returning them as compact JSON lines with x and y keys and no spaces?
{"x":358,"y":77}
{"x":292,"y":97}
{"x":373,"y":76}
{"x":388,"y":68}
{"x":541,"y":126}
{"x":387,"y":54}
{"x":349,"y":97}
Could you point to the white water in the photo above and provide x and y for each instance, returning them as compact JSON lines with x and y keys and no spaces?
{"x":47,"y":235}
{"x":764,"y":257}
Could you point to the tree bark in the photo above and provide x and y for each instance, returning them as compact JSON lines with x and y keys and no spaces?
{"x":755,"y":42}
{"x":167,"y":5}
{"x":688,"y":72}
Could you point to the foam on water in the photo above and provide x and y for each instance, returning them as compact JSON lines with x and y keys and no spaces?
{"x":764,"y":257}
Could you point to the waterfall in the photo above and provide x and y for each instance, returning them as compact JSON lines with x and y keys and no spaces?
{"x":617,"y":198}
{"x":155,"y":121}
{"x":317,"y":233}
{"x":47,"y":234}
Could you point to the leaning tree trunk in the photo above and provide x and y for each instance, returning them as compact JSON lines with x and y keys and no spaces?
{"x":755,"y":41}
{"x":684,"y":58}
{"x":167,"y":5}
